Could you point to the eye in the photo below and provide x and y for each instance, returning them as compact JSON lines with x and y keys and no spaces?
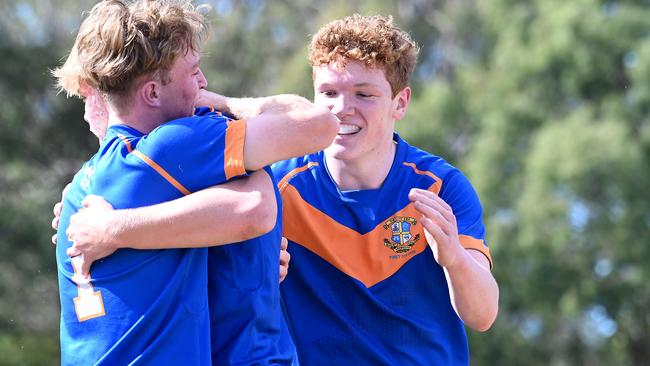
{"x":364,"y":95}
{"x":328,"y":93}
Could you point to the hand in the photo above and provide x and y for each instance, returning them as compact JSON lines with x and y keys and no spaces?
{"x":285,"y":257}
{"x":90,"y":232}
{"x":208,"y":98}
{"x":440,"y":226}
{"x":58,"y":207}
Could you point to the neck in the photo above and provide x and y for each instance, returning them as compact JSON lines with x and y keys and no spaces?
{"x":143,"y":121}
{"x":367,"y":172}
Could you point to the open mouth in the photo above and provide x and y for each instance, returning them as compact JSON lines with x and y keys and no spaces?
{"x":346,"y":129}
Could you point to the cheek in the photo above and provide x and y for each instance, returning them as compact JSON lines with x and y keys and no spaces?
{"x":320,"y":100}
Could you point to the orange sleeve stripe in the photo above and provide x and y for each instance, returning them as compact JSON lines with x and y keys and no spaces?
{"x":234,"y":154}
{"x":162,"y":172}
{"x":469,"y":242}
{"x":282,"y":184}
{"x":436,"y":186}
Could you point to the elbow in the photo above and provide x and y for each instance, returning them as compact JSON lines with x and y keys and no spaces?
{"x":485,"y":322}
{"x":261,"y":215}
{"x":325,"y":126}
{"x":484,"y":325}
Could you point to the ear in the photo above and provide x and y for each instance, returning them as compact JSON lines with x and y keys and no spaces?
{"x":401,"y":102}
{"x":149,"y":92}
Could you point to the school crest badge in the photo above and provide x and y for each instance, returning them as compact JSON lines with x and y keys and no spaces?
{"x":401,"y":239}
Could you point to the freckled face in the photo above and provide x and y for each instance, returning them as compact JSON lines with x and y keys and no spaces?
{"x":361,"y":98}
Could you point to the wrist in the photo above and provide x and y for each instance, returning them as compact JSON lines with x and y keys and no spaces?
{"x":115,"y":229}
{"x":461,"y":261}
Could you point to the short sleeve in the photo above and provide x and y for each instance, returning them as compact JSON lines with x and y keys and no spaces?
{"x":458,"y":192}
{"x":196,"y":152}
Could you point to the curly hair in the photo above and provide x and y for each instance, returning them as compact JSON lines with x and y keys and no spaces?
{"x":120,"y":41}
{"x":373,"y":40}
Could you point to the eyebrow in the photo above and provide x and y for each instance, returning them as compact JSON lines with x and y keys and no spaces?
{"x":364,"y":85}
{"x":357,"y":85}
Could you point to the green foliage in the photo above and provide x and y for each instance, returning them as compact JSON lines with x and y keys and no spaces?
{"x":545,"y":105}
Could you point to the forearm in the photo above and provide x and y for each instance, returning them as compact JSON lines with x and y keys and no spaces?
{"x":244,"y":108}
{"x":473,"y":290}
{"x":278,"y":127}
{"x":218,"y":215}
{"x":250,"y":107}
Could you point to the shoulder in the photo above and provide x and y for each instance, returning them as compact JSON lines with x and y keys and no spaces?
{"x":285,"y":170}
{"x":450,"y":180}
{"x":183,"y":135}
{"x":424,"y":163}
{"x":284,"y":167}
{"x":196,"y":127}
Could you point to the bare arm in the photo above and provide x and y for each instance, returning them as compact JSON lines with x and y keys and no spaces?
{"x":473,"y":291}
{"x":232,"y":212}
{"x":278,"y":127}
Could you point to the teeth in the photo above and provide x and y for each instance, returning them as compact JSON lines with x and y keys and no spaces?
{"x":345,"y":129}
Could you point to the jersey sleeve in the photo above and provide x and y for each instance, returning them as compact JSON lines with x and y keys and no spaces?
{"x":196,"y":152}
{"x":458,"y":192}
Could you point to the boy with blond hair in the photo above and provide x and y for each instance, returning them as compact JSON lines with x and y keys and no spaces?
{"x":139,"y":62}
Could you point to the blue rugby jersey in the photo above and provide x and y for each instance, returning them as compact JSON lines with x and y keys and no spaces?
{"x":364,"y":287}
{"x":145,"y":306}
{"x":247,"y":323}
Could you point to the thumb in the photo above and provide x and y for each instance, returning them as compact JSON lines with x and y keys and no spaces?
{"x":85,"y":267}
{"x":72,"y":252}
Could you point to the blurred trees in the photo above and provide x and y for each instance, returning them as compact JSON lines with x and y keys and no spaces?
{"x":545,"y":105}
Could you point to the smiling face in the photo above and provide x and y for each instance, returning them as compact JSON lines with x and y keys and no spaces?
{"x":361,"y":98}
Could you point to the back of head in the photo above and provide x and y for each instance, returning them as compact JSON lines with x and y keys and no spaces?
{"x":120,"y":41}
{"x":373,"y":40}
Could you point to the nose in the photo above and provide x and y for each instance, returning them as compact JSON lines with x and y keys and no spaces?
{"x":203,"y":82}
{"x":340,"y":106}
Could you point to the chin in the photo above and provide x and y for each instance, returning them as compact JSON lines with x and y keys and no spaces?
{"x":339,"y":152}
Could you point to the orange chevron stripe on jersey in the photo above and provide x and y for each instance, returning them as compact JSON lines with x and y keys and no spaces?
{"x":362,"y":256}
{"x":234,"y":153}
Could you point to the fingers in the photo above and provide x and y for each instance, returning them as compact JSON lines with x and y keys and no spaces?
{"x":433,"y":200}
{"x":85,"y":266}
{"x":283,"y":273}
{"x":95,"y":200}
{"x":69,"y":234}
{"x":438,"y":234}
{"x":54,"y":239}
{"x":434,"y":216}
{"x":57,"y":209}
{"x":285,"y":257}
{"x":72,"y":252}
{"x":55,"y":222}
{"x":284,"y":243}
